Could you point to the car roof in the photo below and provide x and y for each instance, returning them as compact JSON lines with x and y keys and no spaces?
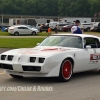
{"x":17,"y":25}
{"x":81,"y":35}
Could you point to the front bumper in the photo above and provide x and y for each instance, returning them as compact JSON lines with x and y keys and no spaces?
{"x":19,"y":67}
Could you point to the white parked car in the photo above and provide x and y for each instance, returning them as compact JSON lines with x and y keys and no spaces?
{"x":52,"y":25}
{"x":59,"y":55}
{"x":22,"y":30}
{"x":86,"y":26}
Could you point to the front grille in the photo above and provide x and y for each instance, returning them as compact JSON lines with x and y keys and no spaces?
{"x":10,"y":57}
{"x":31,"y":68}
{"x":6,"y":66}
{"x":3,"y":57}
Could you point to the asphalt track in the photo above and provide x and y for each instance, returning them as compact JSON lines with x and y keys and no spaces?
{"x":82,"y":86}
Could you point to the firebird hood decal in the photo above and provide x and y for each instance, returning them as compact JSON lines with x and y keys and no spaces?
{"x":48,"y":50}
{"x":39,"y":50}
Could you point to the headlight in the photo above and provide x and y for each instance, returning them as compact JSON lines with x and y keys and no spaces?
{"x":41,"y":60}
{"x":10,"y":57}
{"x":3,"y":57}
{"x":32,"y":59}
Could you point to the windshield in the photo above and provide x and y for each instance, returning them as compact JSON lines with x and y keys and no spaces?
{"x":63,"y":41}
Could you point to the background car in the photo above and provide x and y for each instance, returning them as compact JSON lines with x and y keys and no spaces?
{"x":66,"y":28}
{"x":22,"y":30}
{"x":61,"y":25}
{"x":86,"y":26}
{"x":95,"y":29}
{"x":52,"y":25}
{"x":44,"y":27}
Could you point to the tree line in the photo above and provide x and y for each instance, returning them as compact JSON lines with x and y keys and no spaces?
{"x":70,"y":8}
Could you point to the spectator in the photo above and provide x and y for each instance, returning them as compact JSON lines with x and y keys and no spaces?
{"x":56,"y":29}
{"x":75,"y":29}
{"x":49,"y":31}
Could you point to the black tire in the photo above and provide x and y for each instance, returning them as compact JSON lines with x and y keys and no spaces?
{"x":66,"y":70}
{"x":68,"y":30}
{"x":40,"y":30}
{"x":33,"y":33}
{"x":16,"y":33}
{"x":88,"y":29}
{"x":16,"y":76}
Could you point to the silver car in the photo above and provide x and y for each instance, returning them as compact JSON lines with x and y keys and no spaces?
{"x":22,"y":30}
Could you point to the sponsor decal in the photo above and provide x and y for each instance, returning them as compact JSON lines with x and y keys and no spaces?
{"x":94,"y":56}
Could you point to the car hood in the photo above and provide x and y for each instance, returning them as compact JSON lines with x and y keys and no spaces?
{"x":39,"y":51}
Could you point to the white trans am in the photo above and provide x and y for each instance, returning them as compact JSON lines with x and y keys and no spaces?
{"x":59,"y":55}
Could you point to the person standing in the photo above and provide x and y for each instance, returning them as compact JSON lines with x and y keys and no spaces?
{"x":75,"y":29}
{"x":49,"y":31}
{"x":56,"y":29}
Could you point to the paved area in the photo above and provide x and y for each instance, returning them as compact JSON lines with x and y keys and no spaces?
{"x":82,"y":86}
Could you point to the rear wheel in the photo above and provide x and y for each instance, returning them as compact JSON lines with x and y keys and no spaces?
{"x":33,"y":33}
{"x":16,"y":33}
{"x":16,"y":76}
{"x":40,"y":30}
{"x":88,"y":29}
{"x":68,"y":30}
{"x":66,"y":70}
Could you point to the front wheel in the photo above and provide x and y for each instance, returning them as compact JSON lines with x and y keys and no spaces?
{"x":66,"y":70}
{"x":16,"y":76}
{"x":88,"y":29}
{"x":33,"y":33}
{"x":16,"y":33}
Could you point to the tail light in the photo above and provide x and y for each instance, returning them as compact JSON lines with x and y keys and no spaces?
{"x":11,"y":28}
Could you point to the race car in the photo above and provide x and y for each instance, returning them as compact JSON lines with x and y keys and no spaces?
{"x":59,"y":55}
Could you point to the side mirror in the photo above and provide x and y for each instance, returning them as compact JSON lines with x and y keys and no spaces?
{"x":88,"y":47}
{"x":38,"y":44}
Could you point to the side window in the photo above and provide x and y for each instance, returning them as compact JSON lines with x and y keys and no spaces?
{"x":93,"y":42}
{"x":20,"y":27}
{"x":25,"y":28}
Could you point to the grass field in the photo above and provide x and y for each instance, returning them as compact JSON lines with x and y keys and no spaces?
{"x":19,"y":42}
{"x":26,"y":42}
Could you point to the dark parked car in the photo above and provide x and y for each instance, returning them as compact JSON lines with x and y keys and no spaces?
{"x":60,"y":26}
{"x":44,"y":28}
{"x":67,"y":28}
